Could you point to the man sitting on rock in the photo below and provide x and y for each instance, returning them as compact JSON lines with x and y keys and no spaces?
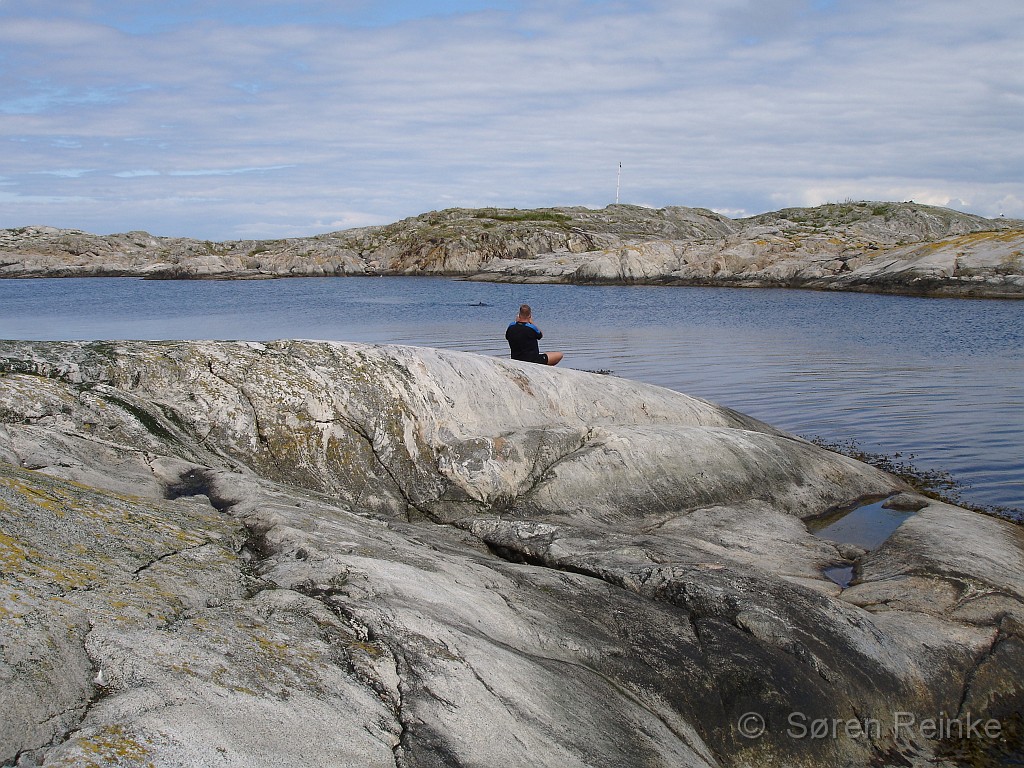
{"x":523,"y":335}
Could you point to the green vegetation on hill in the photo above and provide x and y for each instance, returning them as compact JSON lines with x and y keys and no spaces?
{"x":517,"y":215}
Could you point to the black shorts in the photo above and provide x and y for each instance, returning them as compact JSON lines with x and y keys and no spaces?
{"x":541,"y":359}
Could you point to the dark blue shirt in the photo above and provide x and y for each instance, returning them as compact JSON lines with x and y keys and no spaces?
{"x":522,"y":341}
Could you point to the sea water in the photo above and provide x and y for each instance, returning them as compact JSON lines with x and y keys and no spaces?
{"x":938,"y":381}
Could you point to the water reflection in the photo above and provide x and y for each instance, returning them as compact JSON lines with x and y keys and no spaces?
{"x":867,"y":526}
{"x":840,"y":574}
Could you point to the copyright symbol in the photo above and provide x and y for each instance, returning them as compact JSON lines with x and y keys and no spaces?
{"x":751,"y":725}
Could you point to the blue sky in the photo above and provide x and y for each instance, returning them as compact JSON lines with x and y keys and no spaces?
{"x":234,"y":119}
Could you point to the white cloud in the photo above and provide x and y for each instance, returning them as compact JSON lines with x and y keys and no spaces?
{"x":228,"y":171}
{"x":135,"y":174}
{"x":256,"y":119}
{"x":68,"y":173}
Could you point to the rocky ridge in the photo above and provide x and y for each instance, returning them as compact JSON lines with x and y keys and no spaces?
{"x":258,"y":554}
{"x":865,"y":246}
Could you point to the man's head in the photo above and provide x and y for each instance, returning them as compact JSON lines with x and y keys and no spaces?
{"x":525,"y":313}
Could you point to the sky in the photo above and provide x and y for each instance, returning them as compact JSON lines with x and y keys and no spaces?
{"x":239,"y":119}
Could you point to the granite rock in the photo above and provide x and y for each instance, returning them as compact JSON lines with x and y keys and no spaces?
{"x":298,"y":552}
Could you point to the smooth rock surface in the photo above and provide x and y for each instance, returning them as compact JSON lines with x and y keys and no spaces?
{"x":337,"y":554}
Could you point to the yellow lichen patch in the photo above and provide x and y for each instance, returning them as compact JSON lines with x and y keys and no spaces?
{"x":60,"y":537}
{"x":37,"y":495}
{"x":107,"y":746}
{"x":185,"y":668}
{"x":11,"y":604}
{"x":1002,"y":235}
{"x":977,"y":238}
{"x":78,"y":576}
{"x":12,"y":554}
{"x":128,"y":497}
{"x":371,"y":650}
{"x":61,"y":496}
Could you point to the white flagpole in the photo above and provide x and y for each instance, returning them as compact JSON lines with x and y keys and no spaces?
{"x":618,"y":177}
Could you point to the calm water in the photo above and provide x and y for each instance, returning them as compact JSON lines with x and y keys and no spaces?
{"x":866,"y":526}
{"x":938,"y":381}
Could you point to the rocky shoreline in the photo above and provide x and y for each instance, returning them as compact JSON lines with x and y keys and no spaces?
{"x":879,"y":247}
{"x":263,"y":554}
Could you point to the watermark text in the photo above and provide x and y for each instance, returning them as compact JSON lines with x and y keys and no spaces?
{"x":902,"y":726}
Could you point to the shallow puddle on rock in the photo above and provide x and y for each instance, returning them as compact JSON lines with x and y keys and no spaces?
{"x":867,"y":527}
{"x":840,"y":574}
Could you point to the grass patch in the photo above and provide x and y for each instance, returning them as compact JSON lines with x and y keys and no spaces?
{"x":552,"y":216}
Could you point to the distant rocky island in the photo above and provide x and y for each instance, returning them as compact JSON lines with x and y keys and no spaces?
{"x":880,"y":247}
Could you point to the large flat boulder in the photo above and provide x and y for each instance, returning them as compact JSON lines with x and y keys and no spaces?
{"x":254,"y":554}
